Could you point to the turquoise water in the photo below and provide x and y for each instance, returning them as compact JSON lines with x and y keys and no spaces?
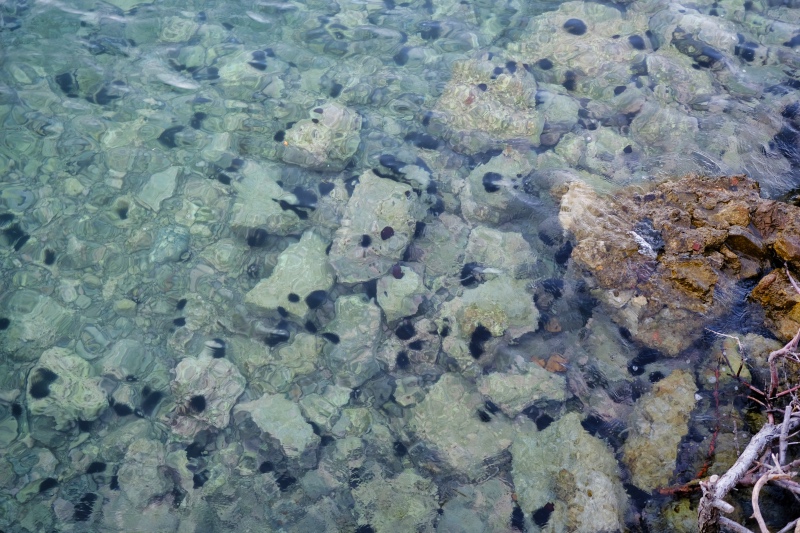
{"x":297,"y":266}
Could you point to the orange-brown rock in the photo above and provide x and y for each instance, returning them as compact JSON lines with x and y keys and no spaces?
{"x":658,"y":259}
{"x":780,"y":301}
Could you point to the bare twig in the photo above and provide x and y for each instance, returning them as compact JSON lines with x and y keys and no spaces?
{"x":769,"y":476}
{"x":733,"y":526}
{"x":783,"y":442}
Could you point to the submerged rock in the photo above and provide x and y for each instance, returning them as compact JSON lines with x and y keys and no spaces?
{"x":515,"y":392}
{"x":217,"y":381}
{"x":33,"y":322}
{"x":357,"y":330}
{"x":658,"y":422}
{"x":281,"y":419}
{"x":359,"y":252}
{"x":64,"y":387}
{"x":324,"y":141}
{"x":478,"y":110}
{"x":407,"y":502}
{"x":449,"y":423}
{"x":507,"y":252}
{"x":302,"y":269}
{"x":400,"y":293}
{"x":575,"y":473}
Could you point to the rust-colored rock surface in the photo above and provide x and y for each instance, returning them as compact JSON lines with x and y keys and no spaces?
{"x":661,"y":259}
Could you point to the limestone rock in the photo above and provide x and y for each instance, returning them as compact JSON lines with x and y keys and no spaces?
{"x":64,"y":387}
{"x":35,"y":321}
{"x":447,"y":421}
{"x":400,"y":297}
{"x":508,"y":252}
{"x":301,"y":270}
{"x":324,"y":141}
{"x":407,"y":502}
{"x":257,"y":205}
{"x":218,"y":381}
{"x":491,"y":192}
{"x":358,"y":326}
{"x":514,"y":392}
{"x":158,"y":188}
{"x":658,"y":422}
{"x":478,"y":110}
{"x":281,"y":419}
{"x":360,"y":252}
{"x":575,"y":471}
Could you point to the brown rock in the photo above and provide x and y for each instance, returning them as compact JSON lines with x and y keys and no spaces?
{"x":744,"y":241}
{"x":787,"y":246}
{"x":781,"y":303}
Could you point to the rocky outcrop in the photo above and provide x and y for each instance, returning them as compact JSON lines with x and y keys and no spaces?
{"x":673,"y":255}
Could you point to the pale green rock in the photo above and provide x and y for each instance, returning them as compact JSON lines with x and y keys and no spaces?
{"x":596,"y":61}
{"x":255,"y":205}
{"x":483,"y":508}
{"x":158,"y":188}
{"x":281,"y":419}
{"x":125,"y":307}
{"x":407,"y":502}
{"x":327,"y":144}
{"x":676,"y":80}
{"x":599,"y":152}
{"x":218,"y":380}
{"x":658,"y":128}
{"x":501,"y":305}
{"x":659,"y":420}
{"x":400,"y":297}
{"x":474,"y":120}
{"x":376,"y":203}
{"x":566,"y":466}
{"x":441,"y":250}
{"x":507,"y":252}
{"x":302,"y":269}
{"x":36,"y":321}
{"x":447,"y":423}
{"x":225,"y":255}
{"x":514,"y":392}
{"x":75,"y":394}
{"x":358,"y":325}
{"x":481,"y":206}
{"x":323,"y":409}
{"x":126,"y":357}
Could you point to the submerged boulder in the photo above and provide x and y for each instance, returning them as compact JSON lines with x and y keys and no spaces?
{"x":573,"y":473}
{"x":658,"y":422}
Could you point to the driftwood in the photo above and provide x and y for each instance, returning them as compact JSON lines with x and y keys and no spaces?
{"x":754,"y":462}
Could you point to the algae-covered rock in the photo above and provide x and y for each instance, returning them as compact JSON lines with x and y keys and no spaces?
{"x":448,"y":422}
{"x":35,"y":321}
{"x":492,"y":192}
{"x":358,"y":327}
{"x":257,"y":202}
{"x":217,"y":381}
{"x":576,"y":472}
{"x":64,"y":387}
{"x":281,"y":419}
{"x":363,"y":248}
{"x":324,"y":141}
{"x":514,"y":392}
{"x":302,"y":269}
{"x":400,"y":293}
{"x":479,"y":110}
{"x":658,"y":422}
{"x":407,"y":502}
{"x":507,"y":252}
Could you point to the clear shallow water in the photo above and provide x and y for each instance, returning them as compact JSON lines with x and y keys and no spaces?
{"x":153,"y":173}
